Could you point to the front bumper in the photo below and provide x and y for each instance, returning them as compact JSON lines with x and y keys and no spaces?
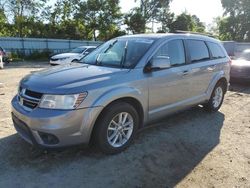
{"x":64,"y":127}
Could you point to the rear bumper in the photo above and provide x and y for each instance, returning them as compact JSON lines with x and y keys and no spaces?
{"x":54,"y":128}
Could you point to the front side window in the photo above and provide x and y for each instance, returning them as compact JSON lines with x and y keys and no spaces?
{"x":216,"y":50}
{"x":198,"y":50}
{"x":120,"y":53}
{"x":174,"y":50}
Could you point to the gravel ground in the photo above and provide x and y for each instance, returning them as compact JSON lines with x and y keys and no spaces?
{"x":190,"y":149}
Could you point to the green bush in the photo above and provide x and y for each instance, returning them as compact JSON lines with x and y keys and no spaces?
{"x":34,"y":56}
{"x":39,"y":55}
{"x":16,"y":56}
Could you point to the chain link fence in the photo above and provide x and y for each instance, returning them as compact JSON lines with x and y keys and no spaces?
{"x":27,"y":46}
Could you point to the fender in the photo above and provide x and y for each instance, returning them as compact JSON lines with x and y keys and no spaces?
{"x":216,"y":78}
{"x":122,"y":92}
{"x":117,"y":93}
{"x":105,"y":99}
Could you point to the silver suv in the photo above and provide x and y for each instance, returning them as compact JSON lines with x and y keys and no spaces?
{"x":121,"y":87}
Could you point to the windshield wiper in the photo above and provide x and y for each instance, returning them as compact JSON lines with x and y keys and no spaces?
{"x":97,"y":62}
{"x":123,"y":60}
{"x":110,"y":46}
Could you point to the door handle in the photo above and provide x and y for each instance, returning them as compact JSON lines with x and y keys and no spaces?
{"x":211,"y":68}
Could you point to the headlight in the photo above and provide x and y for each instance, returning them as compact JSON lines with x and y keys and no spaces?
{"x":63,"y":102}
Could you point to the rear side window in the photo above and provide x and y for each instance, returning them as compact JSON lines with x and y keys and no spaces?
{"x":174,"y":50}
{"x":216,"y":50}
{"x":198,"y":50}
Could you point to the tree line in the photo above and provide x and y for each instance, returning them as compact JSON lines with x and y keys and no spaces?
{"x":103,"y":19}
{"x":89,"y":19}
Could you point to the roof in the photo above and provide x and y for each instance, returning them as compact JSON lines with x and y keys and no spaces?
{"x":166,"y":35}
{"x":86,"y":47}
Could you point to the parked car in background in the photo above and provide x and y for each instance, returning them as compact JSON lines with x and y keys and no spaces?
{"x":230,"y":47}
{"x":240,"y":68}
{"x":5,"y":56}
{"x":74,"y":55}
{"x":122,"y":86}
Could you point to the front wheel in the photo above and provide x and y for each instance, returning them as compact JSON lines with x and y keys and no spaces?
{"x":116,"y":128}
{"x":216,"y":98}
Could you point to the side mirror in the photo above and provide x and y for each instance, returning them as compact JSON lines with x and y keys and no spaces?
{"x":159,"y":62}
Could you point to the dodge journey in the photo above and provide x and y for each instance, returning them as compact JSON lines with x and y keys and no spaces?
{"x":119,"y":88}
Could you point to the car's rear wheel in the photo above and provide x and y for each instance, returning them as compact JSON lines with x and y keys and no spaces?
{"x":116,"y":128}
{"x":216,"y":98}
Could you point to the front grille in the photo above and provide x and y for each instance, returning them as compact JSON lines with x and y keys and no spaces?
{"x":29,"y":99}
{"x":29,"y":104}
{"x":33,"y":94}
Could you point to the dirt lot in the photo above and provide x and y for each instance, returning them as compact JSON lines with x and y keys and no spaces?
{"x":190,"y":149}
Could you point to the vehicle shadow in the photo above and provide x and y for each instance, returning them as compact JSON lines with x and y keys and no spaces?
{"x":160,"y":157}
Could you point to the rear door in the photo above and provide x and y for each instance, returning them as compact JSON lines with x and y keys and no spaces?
{"x":201,"y":67}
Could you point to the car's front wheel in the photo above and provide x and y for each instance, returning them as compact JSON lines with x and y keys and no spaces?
{"x":116,"y":127}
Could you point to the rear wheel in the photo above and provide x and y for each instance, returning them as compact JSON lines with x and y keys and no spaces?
{"x":216,"y":98}
{"x":116,"y":128}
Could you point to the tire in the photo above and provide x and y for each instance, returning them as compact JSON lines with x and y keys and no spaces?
{"x":109,"y":136}
{"x":216,"y":99}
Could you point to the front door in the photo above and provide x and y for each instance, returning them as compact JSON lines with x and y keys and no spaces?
{"x":169,"y":86}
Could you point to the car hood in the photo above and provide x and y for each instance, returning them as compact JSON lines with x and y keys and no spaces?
{"x":240,"y":63}
{"x":63,"y":55}
{"x":71,"y":78}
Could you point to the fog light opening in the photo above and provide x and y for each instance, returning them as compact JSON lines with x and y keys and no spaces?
{"x":49,"y":139}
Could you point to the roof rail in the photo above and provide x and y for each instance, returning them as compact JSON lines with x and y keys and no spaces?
{"x":196,"y":33}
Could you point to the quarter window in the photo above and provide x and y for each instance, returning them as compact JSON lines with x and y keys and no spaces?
{"x":198,"y":50}
{"x":174,"y":50}
{"x":216,"y":50}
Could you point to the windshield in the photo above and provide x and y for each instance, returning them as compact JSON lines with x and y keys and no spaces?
{"x":121,"y":53}
{"x":78,"y":50}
